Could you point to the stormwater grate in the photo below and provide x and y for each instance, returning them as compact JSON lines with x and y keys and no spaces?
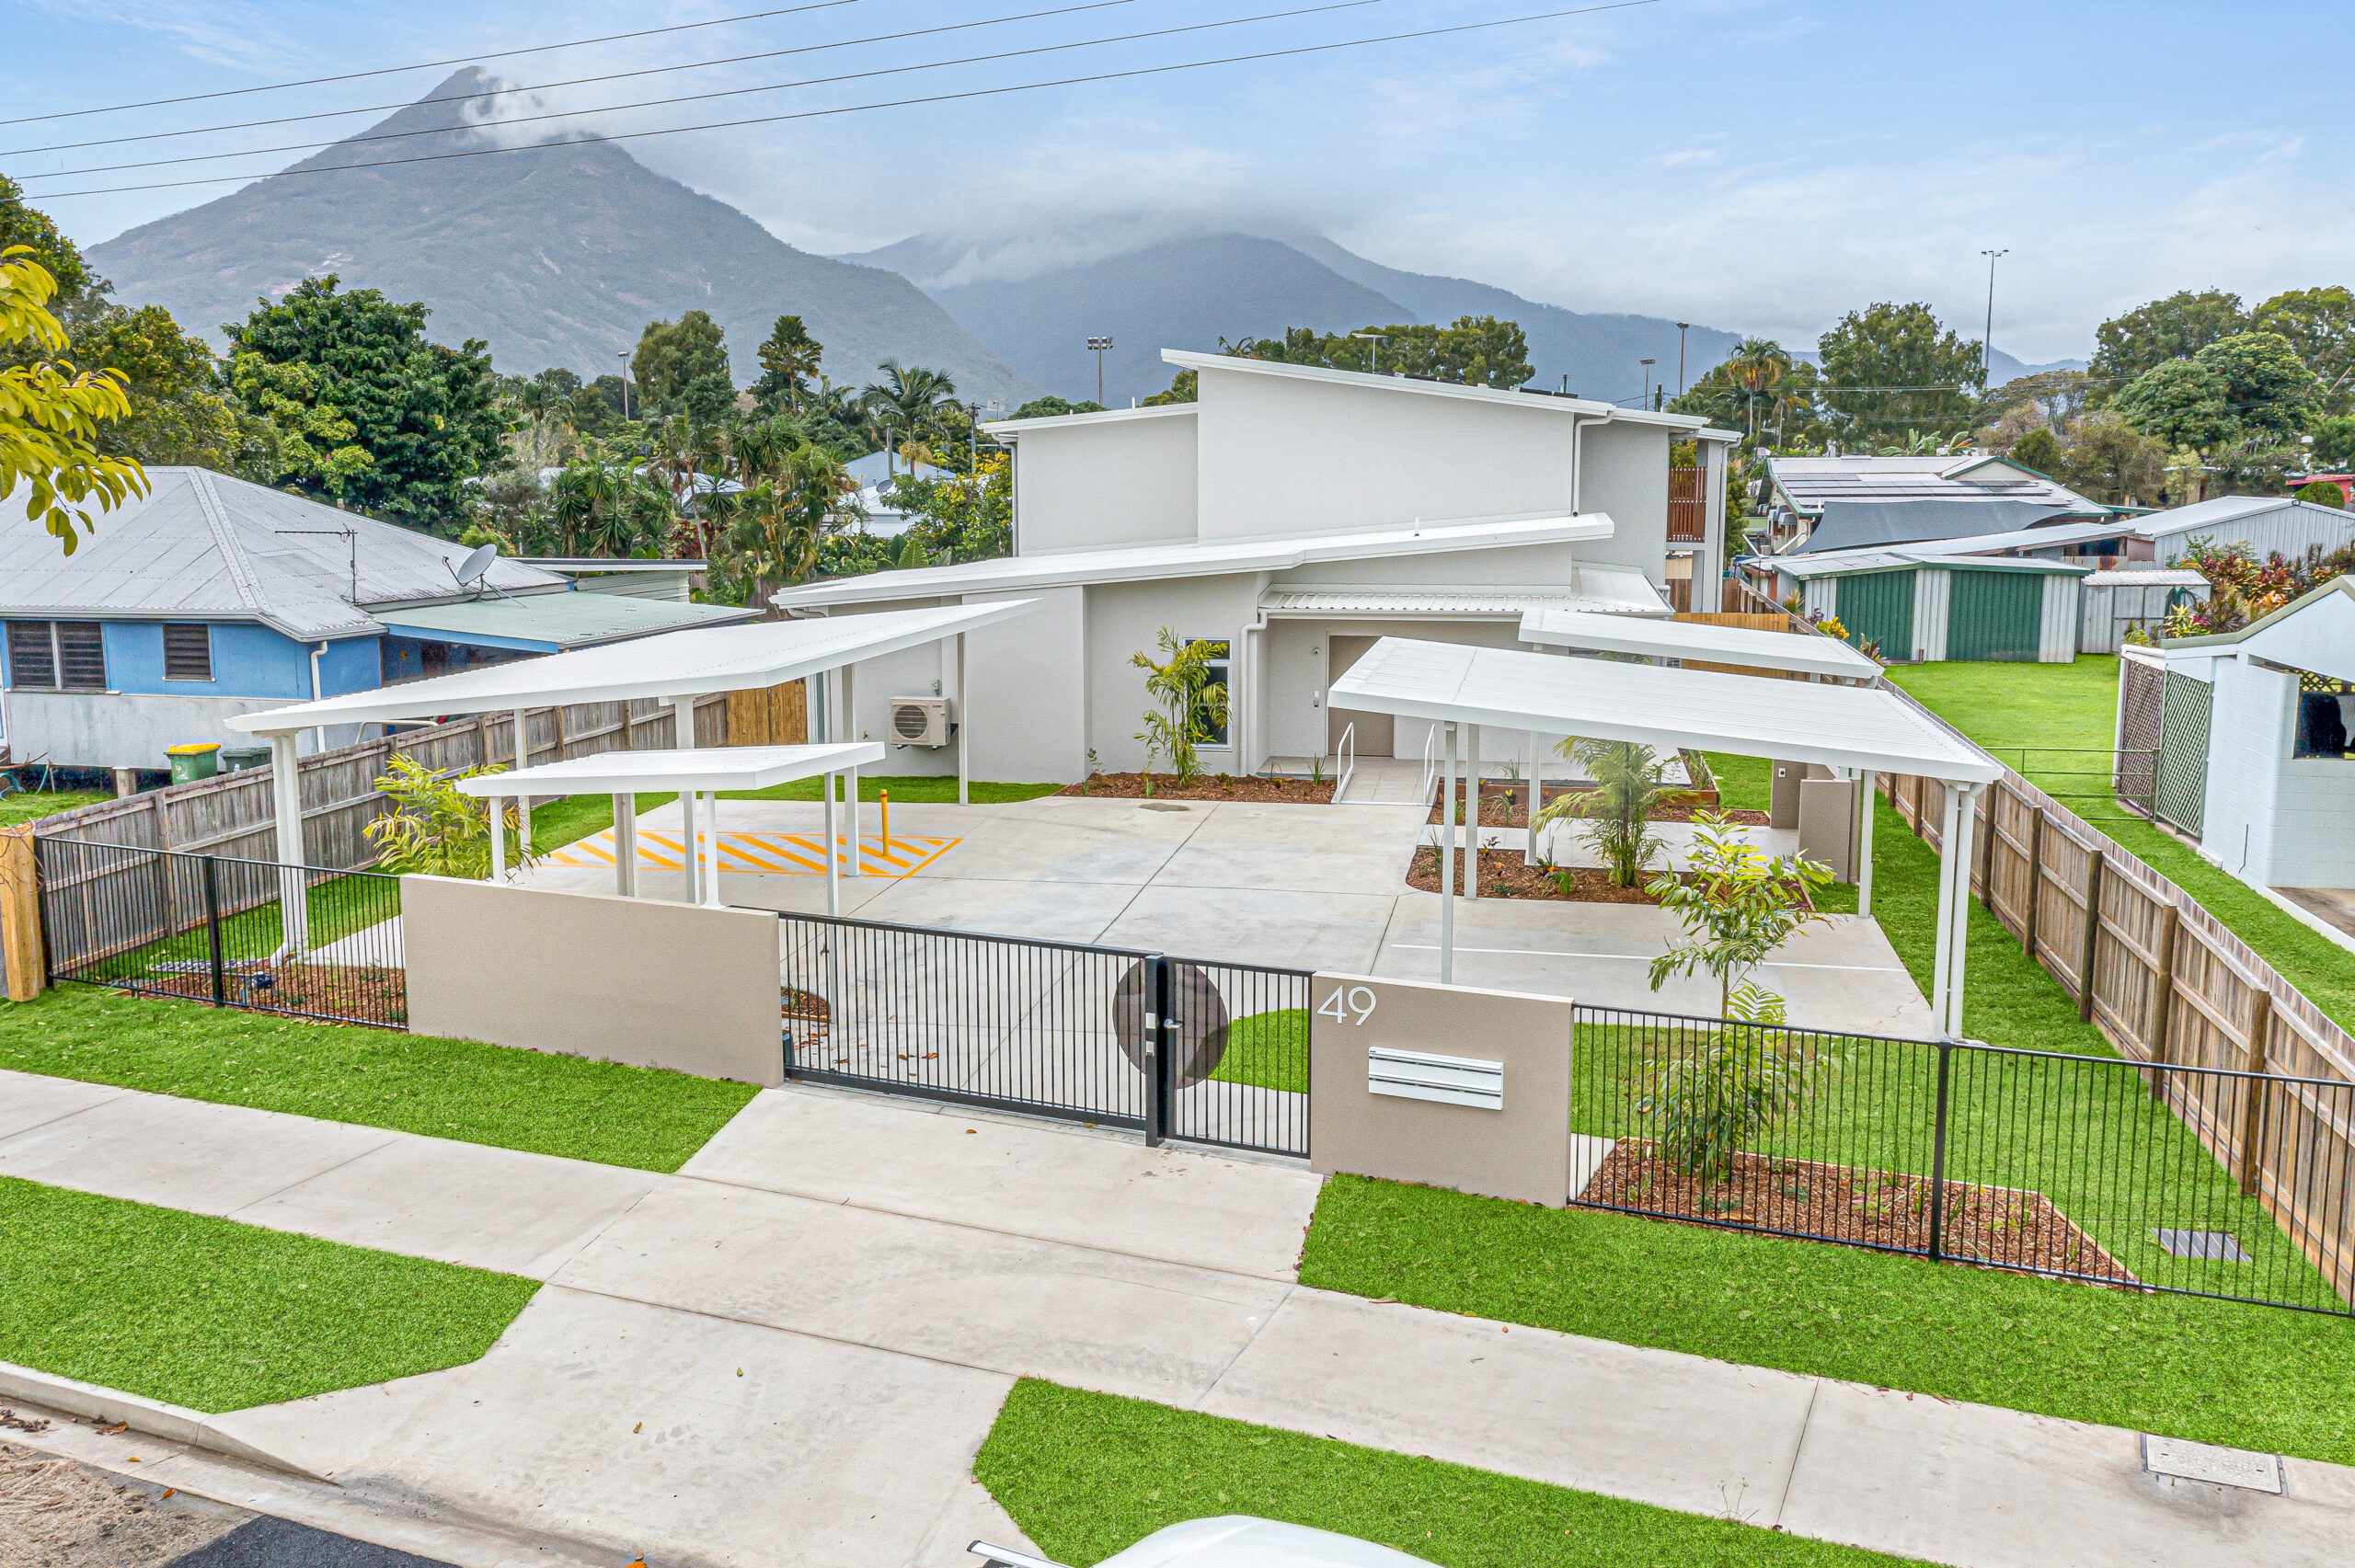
{"x":2210,"y":1246}
{"x":2180,"y":1460}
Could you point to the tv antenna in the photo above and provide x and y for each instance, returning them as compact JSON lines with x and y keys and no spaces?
{"x":350,"y":536}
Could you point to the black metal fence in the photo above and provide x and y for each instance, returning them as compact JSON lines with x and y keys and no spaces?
{"x":2088,"y":1168}
{"x":1207,"y":1052}
{"x":208,"y":928}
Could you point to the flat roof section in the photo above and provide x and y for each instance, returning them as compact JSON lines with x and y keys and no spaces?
{"x":711,"y":768}
{"x":1778,"y":651}
{"x":1792,"y":721}
{"x":553,"y":622}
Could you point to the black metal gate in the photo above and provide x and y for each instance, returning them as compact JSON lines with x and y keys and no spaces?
{"x":1174,"y":1047}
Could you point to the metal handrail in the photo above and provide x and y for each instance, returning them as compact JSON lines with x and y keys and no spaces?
{"x":1431,"y":762}
{"x":1347,"y":754}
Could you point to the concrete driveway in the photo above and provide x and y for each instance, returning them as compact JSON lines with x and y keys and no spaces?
{"x":1299,"y":887}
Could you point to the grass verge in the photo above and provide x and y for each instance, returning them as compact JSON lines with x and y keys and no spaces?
{"x":218,"y":1316}
{"x":642,"y":1117}
{"x":2026,"y":713}
{"x":33,"y":805}
{"x":1268,"y":1050}
{"x":1087,"y":1474}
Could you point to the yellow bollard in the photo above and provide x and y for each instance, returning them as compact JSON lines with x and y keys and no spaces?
{"x":887,"y":822}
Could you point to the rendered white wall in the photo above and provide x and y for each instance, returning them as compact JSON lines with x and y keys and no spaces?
{"x":1028,"y":690}
{"x":1124,"y":619}
{"x":1295,"y":719}
{"x":2273,"y":819}
{"x":1626,"y":475}
{"x":1519,"y":566}
{"x":1280,"y":456}
{"x":1124,"y":481}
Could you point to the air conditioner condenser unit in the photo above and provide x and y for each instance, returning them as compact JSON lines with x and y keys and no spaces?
{"x":920,"y":721}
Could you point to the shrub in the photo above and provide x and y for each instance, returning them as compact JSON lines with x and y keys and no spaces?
{"x":434,"y":830}
{"x":2322,"y":493}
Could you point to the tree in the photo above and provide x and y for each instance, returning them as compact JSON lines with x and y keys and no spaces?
{"x":2320,"y":324}
{"x":1192,"y":706}
{"x":966,"y":517}
{"x":2148,"y":335}
{"x":789,"y":357}
{"x":1630,"y":784}
{"x":1477,"y":350}
{"x":777,"y":527}
{"x":2040,"y":449}
{"x":425,"y":414}
{"x":2271,"y":393}
{"x":673,"y":355}
{"x":903,"y":408}
{"x":435,"y":830}
{"x":2335,"y":442}
{"x":1891,"y":368}
{"x":52,"y":414}
{"x":2110,"y":462}
{"x":1741,"y":904}
{"x":178,"y":410}
{"x":1054,"y":407}
{"x":2179,"y":402}
{"x":2321,"y":493}
{"x":295,"y":435}
{"x":606,"y":508}
{"x":46,"y":244}
{"x":1185,"y":386}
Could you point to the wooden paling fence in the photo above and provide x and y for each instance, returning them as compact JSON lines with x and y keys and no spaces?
{"x":109,"y":904}
{"x":2167,"y":982}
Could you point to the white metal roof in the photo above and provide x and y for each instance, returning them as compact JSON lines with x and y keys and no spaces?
{"x":1792,"y":721}
{"x":203,"y":546}
{"x":1188,"y":558}
{"x":2154,"y":577}
{"x":1804,"y":652}
{"x":2228,"y":509}
{"x":2314,"y":632}
{"x":1533,"y":398}
{"x":2046,"y":538}
{"x":1014,"y":429}
{"x":550,"y":623}
{"x":1901,"y":557}
{"x":1808,"y":482}
{"x":1608,"y":591}
{"x":675,"y":664}
{"x":713,"y":768}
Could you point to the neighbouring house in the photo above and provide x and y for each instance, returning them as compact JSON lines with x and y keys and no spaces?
{"x":1927,"y":603}
{"x":2251,"y":733}
{"x":1290,"y":517}
{"x":2265,"y":525}
{"x":1855,"y":501}
{"x":211,"y":596}
{"x":672,"y":581}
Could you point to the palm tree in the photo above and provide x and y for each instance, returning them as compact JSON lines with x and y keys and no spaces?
{"x":1758,"y":365}
{"x":910,"y":395}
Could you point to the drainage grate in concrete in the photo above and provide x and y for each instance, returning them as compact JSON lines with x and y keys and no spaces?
{"x":2173,"y":1457}
{"x":2212,"y":1246}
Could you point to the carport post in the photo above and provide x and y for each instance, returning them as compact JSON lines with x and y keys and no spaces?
{"x":691,"y":863}
{"x":1943,"y":952}
{"x":850,"y":794}
{"x":1864,"y":842}
{"x":498,"y":820}
{"x":626,"y":845}
{"x":1470,"y":813}
{"x":711,"y":848}
{"x":682,"y":739}
{"x":1952,"y":1026}
{"x":1529,"y":848}
{"x":1447,"y":868}
{"x":523,"y":802}
{"x":834,"y":866}
{"x":850,"y":732}
{"x":286,"y":801}
{"x":964,"y":727}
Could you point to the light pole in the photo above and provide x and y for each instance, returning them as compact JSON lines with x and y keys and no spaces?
{"x":1986,"y":337}
{"x":1378,"y":338}
{"x":1681,"y":328}
{"x":1099,"y":346}
{"x":623,"y":358}
{"x":1648,"y":382}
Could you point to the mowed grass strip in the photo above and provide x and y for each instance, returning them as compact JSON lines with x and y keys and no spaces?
{"x":216,"y":1315}
{"x":1088,"y":1475}
{"x":642,"y":1117}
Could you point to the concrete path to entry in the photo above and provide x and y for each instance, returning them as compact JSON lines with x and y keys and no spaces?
{"x":790,"y":1351}
{"x":1294,"y":886}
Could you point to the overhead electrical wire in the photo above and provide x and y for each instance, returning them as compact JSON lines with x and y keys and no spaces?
{"x":721,"y":93}
{"x":572,"y":81}
{"x":1129,"y":74}
{"x":430,"y":65}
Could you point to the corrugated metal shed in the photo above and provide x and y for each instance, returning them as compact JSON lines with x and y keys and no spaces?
{"x":2112,"y":601}
{"x":202,"y":545}
{"x":2265,"y":523}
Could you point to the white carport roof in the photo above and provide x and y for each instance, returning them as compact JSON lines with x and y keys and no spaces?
{"x":1801,"y":652}
{"x":644,"y":773}
{"x":1792,"y":721}
{"x":675,"y":664}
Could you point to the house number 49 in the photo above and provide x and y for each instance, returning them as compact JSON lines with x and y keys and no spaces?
{"x":1350,"y":1004}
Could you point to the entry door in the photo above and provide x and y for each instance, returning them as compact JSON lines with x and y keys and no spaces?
{"x":1377,"y":733}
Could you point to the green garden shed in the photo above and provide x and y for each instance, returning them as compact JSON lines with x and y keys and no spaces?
{"x":1922,"y":606}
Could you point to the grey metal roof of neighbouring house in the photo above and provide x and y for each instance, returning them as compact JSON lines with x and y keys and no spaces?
{"x":550,"y":623}
{"x":1906,"y":557}
{"x":1808,"y":482}
{"x":202,"y":546}
{"x":2228,"y":509}
{"x":1860,"y":524}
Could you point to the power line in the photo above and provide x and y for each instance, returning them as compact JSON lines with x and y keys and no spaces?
{"x":431,"y":64}
{"x":549,"y":87}
{"x":866,"y":108}
{"x":707,"y":97}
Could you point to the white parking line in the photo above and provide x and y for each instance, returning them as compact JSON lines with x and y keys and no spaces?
{"x":1643,"y":957}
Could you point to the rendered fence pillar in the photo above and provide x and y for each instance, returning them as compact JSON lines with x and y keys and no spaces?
{"x":286,"y":791}
{"x":21,"y":914}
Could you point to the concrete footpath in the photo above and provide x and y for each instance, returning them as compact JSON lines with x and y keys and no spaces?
{"x":790,"y":1351}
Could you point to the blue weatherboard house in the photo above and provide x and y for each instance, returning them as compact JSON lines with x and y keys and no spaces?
{"x":211,"y":596}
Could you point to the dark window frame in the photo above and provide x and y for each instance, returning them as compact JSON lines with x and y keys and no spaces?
{"x":202,"y":638}
{"x":37,"y":639}
{"x":88,"y":644}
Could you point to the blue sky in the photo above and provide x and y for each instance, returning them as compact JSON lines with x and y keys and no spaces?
{"x":1757,"y":164}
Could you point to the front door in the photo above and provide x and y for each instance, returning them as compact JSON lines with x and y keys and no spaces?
{"x":1377,"y":733}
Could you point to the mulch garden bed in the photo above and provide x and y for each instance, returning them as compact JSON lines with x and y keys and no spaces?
{"x":1505,"y":804}
{"x":1844,"y":1203}
{"x":343,"y":993}
{"x":1206,"y":786}
{"x":1504,"y":874}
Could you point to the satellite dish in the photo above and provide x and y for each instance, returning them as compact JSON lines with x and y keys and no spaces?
{"x":477,"y":562}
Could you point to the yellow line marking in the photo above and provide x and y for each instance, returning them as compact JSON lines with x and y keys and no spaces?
{"x":767,"y":854}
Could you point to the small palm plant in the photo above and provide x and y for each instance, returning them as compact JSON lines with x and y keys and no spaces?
{"x":1192,"y":706}
{"x":434,"y":830}
{"x":1630,"y":784}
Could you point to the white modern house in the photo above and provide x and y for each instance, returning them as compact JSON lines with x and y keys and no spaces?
{"x":1292,"y":516}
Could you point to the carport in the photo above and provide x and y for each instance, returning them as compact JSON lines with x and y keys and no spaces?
{"x":1769,"y":652}
{"x":697,"y":778}
{"x":675,"y":667}
{"x":1853,"y":730}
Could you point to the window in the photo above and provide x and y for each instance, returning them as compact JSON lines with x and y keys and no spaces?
{"x":53,"y":655}
{"x":188,"y":652}
{"x":1218,"y":674}
{"x":2324,"y":708}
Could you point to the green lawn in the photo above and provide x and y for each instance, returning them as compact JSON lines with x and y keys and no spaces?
{"x":34,"y":805}
{"x":2042,"y":707}
{"x":1269,"y":1050}
{"x":1088,"y":1475}
{"x":218,"y":1316}
{"x":636,"y":1117}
